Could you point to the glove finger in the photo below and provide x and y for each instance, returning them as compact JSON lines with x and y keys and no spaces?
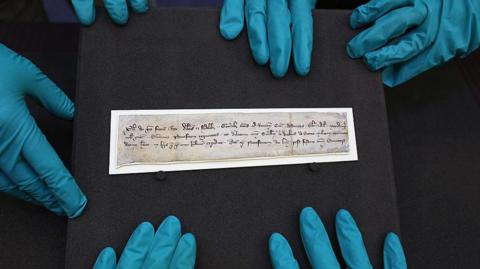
{"x":393,"y":255}
{"x":107,"y":259}
{"x":281,"y":254}
{"x":117,"y":10}
{"x":164,"y":244}
{"x":255,"y":12}
{"x":85,"y":10}
{"x":315,"y":241}
{"x":8,"y":187}
{"x":136,"y":249}
{"x":28,"y":181}
{"x":397,"y":74}
{"x":231,"y":18}
{"x":40,"y":87}
{"x":40,"y":155}
{"x":386,"y":28}
{"x":302,"y":31}
{"x":402,"y":50}
{"x":350,"y":240}
{"x":373,"y":10}
{"x":139,"y":6}
{"x":185,"y":253}
{"x":279,"y":36}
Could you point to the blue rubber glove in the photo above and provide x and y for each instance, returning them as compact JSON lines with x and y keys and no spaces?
{"x":409,"y":37}
{"x":319,"y":250}
{"x":165,"y":249}
{"x":271,"y":26}
{"x":29,"y":167}
{"x":117,"y":9}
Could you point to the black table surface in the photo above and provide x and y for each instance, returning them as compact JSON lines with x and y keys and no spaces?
{"x":434,"y":126}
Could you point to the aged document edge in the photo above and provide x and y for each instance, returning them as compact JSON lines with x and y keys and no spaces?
{"x":247,"y":162}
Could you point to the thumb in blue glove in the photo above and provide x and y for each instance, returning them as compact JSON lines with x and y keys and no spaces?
{"x":271,"y":26}
{"x":320,"y":252}
{"x":117,"y":9}
{"x":165,"y":249}
{"x":409,"y":37}
{"x":29,"y":167}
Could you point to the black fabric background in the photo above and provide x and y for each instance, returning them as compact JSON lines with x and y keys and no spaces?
{"x":437,"y":185}
{"x":152,"y":65}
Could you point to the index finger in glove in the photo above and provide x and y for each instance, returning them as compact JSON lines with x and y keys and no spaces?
{"x":139,"y":6}
{"x":52,"y":98}
{"x":137,"y":247}
{"x":40,"y":155}
{"x":164,"y":244}
{"x":107,"y":259}
{"x":350,"y":240}
{"x":117,"y":10}
{"x":393,"y":255}
{"x":257,"y":29}
{"x":373,"y":10}
{"x":279,"y":36}
{"x":316,"y":241}
{"x":185,"y":253}
{"x":281,"y":254}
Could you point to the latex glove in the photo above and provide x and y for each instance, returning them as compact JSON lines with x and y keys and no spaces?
{"x":271,"y":26}
{"x":165,"y":249}
{"x":29,"y":167}
{"x":409,"y":37}
{"x":117,"y":9}
{"x":319,"y":250}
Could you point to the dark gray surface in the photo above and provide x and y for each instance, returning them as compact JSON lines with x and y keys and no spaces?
{"x":152,"y":64}
{"x":435,"y":126}
{"x":32,"y":237}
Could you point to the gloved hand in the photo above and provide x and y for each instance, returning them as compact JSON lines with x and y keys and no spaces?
{"x":271,"y":25}
{"x":165,"y":249}
{"x":29,"y":167}
{"x":409,"y":37}
{"x":117,"y":9}
{"x":320,"y":252}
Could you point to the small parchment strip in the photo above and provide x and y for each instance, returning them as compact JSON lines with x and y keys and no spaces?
{"x":172,"y":138}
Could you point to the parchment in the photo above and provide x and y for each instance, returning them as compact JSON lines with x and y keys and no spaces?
{"x":167,"y":138}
